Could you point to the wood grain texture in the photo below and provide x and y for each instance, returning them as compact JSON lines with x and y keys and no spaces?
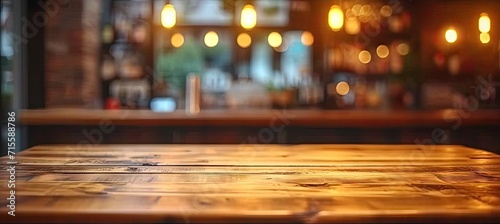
{"x":254,"y":183}
{"x":267,"y":118}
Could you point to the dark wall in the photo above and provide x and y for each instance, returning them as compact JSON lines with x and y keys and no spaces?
{"x":478,"y":137}
{"x":35,"y":61}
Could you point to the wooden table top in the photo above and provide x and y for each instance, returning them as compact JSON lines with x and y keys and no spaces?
{"x":254,"y":183}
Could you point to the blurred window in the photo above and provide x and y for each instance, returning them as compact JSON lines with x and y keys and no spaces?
{"x":7,"y":57}
{"x":186,"y":48}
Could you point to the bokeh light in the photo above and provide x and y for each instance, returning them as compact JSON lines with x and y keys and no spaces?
{"x":177,"y":40}
{"x":211,"y":39}
{"x":244,"y":40}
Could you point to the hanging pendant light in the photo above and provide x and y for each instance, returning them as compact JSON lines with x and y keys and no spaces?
{"x":484,"y":23}
{"x":484,"y":28}
{"x":248,"y":17}
{"x":168,"y":16}
{"x":451,"y":35}
{"x":336,"y":18}
{"x":274,"y":39}
{"x":211,"y":39}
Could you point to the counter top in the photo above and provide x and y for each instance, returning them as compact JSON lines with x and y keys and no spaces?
{"x":253,"y":183}
{"x":309,"y":118}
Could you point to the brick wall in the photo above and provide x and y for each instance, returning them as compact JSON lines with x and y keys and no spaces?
{"x":71,"y":55}
{"x":91,"y":19}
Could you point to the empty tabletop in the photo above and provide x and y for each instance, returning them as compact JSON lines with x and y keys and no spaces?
{"x":251,"y":183}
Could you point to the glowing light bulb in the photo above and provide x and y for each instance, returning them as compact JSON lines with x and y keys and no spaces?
{"x":485,"y":38}
{"x":211,"y":39}
{"x":484,"y":23}
{"x":177,"y":40}
{"x":336,"y":18}
{"x":364,"y":57}
{"x":383,"y":51}
{"x":307,"y":38}
{"x":244,"y":40}
{"x":168,"y":16}
{"x":451,"y":35}
{"x":248,"y":17}
{"x":274,"y":39}
{"x":342,"y":88}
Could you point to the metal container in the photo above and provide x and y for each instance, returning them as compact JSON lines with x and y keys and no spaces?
{"x":193,"y":94}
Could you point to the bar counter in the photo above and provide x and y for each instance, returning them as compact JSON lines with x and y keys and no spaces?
{"x":78,"y":126}
{"x":309,"y":118}
{"x":253,"y":184}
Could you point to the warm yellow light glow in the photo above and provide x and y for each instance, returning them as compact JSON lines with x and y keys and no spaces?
{"x":342,"y":88}
{"x":386,"y":11}
{"x":248,"y":17}
{"x":168,"y":16}
{"x":244,"y":40}
{"x":451,"y":35}
{"x":307,"y":38}
{"x":382,"y":51}
{"x":336,"y":18}
{"x":274,"y":39}
{"x":352,"y":26}
{"x":403,"y":49}
{"x":484,"y":23}
{"x":356,"y":9}
{"x":211,"y":39}
{"x":485,"y":38}
{"x":365,"y":57}
{"x":177,"y":40}
{"x":366,"y":10}
{"x":350,"y":14}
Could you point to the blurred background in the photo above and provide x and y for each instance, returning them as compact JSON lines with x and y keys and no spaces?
{"x":344,"y":55}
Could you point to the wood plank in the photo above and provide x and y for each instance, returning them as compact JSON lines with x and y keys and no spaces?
{"x":348,"y":152}
{"x":284,"y":170}
{"x":193,"y":203}
{"x":256,"y":155}
{"x":231,"y":147}
{"x":236,"y":150}
{"x":251,"y":208}
{"x":248,"y":161}
{"x":272,"y":185}
{"x":330,"y":178}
